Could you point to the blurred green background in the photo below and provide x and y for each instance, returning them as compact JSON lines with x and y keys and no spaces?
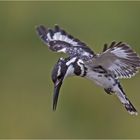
{"x":84,"y":110}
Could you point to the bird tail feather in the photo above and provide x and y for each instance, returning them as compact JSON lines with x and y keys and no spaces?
{"x":124,"y":100}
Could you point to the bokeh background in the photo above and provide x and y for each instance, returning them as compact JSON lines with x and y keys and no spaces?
{"x":84,"y":110}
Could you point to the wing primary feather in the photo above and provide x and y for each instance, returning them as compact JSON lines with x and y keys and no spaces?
{"x":118,"y":44}
{"x":56,"y":28}
{"x":112,"y":44}
{"x":41,"y":30}
{"x":105,"y":47}
{"x":51,"y":32}
{"x":70,"y":36}
{"x":63,"y":32}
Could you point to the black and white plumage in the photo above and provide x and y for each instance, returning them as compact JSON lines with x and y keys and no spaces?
{"x":116,"y":61}
{"x":60,"y":41}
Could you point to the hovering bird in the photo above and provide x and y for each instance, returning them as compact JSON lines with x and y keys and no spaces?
{"x":116,"y":61}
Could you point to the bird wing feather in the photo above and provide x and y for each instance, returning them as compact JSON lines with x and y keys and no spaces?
{"x":120,"y":59}
{"x":60,"y":41}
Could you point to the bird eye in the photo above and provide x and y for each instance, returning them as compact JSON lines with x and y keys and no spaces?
{"x":59,"y":77}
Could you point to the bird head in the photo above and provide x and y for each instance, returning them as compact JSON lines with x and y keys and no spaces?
{"x":59,"y":73}
{"x":62,"y":69}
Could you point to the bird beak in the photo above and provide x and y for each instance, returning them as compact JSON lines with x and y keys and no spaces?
{"x":57,"y":87}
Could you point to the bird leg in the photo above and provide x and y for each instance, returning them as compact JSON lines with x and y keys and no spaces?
{"x":108,"y":91}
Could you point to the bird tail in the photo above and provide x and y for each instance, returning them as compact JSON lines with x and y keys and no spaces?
{"x":124,"y":100}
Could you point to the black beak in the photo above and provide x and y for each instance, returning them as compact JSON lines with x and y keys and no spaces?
{"x":57,"y":87}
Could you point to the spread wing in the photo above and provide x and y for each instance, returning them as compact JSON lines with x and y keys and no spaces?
{"x":120,"y":59}
{"x":60,"y":41}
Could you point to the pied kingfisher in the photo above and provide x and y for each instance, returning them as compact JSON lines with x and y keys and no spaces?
{"x":116,"y":61}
